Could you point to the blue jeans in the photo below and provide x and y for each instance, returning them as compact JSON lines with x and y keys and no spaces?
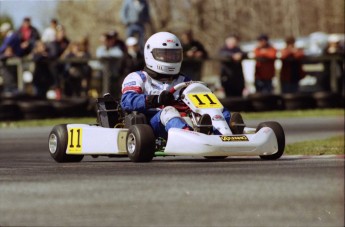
{"x":289,"y":87}
{"x":263,"y":86}
{"x":162,"y":131}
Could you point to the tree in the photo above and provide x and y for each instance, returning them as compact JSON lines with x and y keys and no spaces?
{"x":210,"y":20}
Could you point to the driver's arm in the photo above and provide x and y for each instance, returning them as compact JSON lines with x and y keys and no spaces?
{"x":133,"y":98}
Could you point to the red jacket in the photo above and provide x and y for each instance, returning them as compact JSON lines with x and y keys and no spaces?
{"x":292,"y":66}
{"x":265,"y":57}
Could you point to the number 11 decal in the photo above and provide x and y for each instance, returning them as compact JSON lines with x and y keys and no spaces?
{"x":209,"y":99}
{"x":205,"y":100}
{"x":74,"y":141}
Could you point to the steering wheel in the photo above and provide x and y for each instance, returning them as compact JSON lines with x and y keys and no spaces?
{"x":178,"y":104}
{"x":184,"y":85}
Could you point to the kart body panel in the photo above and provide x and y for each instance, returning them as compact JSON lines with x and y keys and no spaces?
{"x":182,"y":142}
{"x":86,"y":139}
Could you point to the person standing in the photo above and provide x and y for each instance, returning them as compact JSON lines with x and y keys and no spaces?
{"x":265,"y":55}
{"x":11,"y":41}
{"x":111,"y":46}
{"x":291,"y":72}
{"x":334,"y":73}
{"x":9,"y":48}
{"x":49,"y":34}
{"x":28,"y":35}
{"x":42,"y":75}
{"x":112,"y":54}
{"x":192,"y":48}
{"x":135,"y":58}
{"x":232,"y":78}
{"x":134,"y":15}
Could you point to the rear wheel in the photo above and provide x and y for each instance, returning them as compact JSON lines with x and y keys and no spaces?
{"x":140,"y":143}
{"x":57,"y":141}
{"x":279,"y":132}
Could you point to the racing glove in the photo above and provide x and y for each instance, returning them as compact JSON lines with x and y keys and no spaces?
{"x":165,"y":98}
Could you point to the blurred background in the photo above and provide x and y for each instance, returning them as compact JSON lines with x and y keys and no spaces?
{"x":256,"y":55}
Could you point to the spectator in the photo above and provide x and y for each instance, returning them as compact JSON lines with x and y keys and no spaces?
{"x":193,"y":52}
{"x":61,"y":42}
{"x":333,"y":46}
{"x":336,"y":82}
{"x":56,"y":49}
{"x":11,"y":44}
{"x":134,"y":15}
{"x":191,"y":47}
{"x":112,"y":46}
{"x":135,"y":59}
{"x":49,"y":34}
{"x":265,"y":55}
{"x":291,"y":72}
{"x":76,"y":73}
{"x":28,"y":35}
{"x":232,"y":78}
{"x":42,"y":76}
{"x":10,"y":48}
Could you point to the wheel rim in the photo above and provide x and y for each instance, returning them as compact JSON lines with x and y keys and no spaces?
{"x":52,"y":143}
{"x":131,"y":141}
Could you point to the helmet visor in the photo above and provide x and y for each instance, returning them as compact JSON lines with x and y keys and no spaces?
{"x":167,"y":55}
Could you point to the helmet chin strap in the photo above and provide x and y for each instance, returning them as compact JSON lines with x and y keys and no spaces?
{"x":160,"y":76}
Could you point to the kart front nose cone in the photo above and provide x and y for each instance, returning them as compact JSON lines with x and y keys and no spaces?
{"x":52,"y":143}
{"x":131,"y":141}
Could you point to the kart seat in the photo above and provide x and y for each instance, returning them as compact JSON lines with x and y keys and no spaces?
{"x":107,"y":111}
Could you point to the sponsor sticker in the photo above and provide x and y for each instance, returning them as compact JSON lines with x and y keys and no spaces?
{"x":129,"y":84}
{"x":233,"y":138}
{"x":217,"y":118}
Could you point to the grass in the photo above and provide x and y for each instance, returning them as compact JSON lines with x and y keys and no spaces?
{"x":333,"y":145}
{"x":47,"y":122}
{"x":293,"y":114}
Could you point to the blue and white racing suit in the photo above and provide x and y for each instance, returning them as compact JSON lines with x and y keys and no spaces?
{"x":137,"y":86}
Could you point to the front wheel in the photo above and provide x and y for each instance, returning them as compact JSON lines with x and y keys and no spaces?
{"x":57,"y":142}
{"x":279,"y":132}
{"x":140,"y":143}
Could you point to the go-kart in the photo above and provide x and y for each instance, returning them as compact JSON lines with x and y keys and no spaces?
{"x":118,"y":133}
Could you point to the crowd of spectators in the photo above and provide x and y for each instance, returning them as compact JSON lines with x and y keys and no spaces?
{"x":71,"y":75}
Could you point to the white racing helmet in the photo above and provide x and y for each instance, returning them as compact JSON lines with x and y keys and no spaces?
{"x":163,"y":53}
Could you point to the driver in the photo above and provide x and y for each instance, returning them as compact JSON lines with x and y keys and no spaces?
{"x":147,"y":90}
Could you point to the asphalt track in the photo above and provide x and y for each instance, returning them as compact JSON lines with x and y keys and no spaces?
{"x":176,"y":191}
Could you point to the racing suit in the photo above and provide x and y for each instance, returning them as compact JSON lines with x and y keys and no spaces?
{"x":138,"y":87}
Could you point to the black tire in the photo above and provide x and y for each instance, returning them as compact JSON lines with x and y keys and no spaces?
{"x":327,"y":100}
{"x":279,"y":132}
{"x":237,"y":104}
{"x":236,"y":118}
{"x":298,"y":101}
{"x":266,"y":102}
{"x":140,"y":143}
{"x":215,"y":157}
{"x":70,"y":107}
{"x":38,"y":109}
{"x":57,"y":145}
{"x":9,"y":111}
